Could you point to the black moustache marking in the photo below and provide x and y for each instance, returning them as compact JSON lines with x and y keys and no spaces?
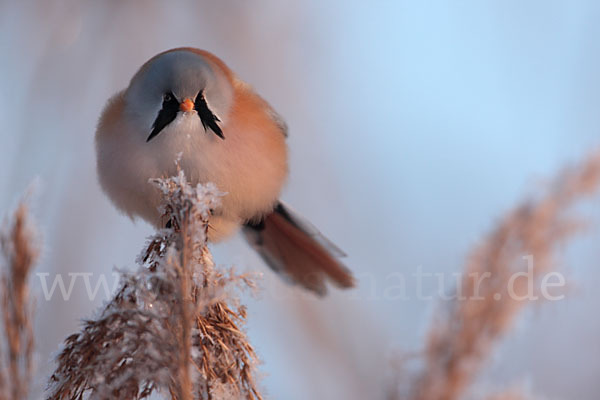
{"x":166,"y":115}
{"x":206,"y":116}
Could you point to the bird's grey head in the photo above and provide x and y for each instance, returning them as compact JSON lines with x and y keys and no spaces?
{"x":174,"y":85}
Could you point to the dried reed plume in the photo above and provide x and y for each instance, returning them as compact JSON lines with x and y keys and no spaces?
{"x":20,"y":253}
{"x":462,"y":336}
{"x":172,"y":326}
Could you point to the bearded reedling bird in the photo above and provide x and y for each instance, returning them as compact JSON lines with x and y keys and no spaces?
{"x":186,"y":102}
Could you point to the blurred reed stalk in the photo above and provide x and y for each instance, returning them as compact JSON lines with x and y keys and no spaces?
{"x":511,"y":394}
{"x":20,"y":252}
{"x":174,"y":326}
{"x":464,"y":333}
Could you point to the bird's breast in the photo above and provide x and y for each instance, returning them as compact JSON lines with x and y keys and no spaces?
{"x":249,"y":164}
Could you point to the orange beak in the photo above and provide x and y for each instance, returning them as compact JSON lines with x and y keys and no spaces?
{"x":186,"y":105}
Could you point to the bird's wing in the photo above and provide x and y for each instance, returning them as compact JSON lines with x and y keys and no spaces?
{"x":275,"y":116}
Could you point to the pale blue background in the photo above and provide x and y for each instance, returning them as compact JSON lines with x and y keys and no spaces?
{"x":413,"y":127}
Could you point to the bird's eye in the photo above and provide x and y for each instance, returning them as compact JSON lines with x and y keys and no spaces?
{"x":208,"y":118}
{"x":165,"y":116}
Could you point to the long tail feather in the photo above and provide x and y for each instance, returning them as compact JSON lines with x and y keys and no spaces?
{"x":292,"y":246}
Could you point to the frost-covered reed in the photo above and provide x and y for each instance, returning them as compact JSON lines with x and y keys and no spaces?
{"x":174,"y":325}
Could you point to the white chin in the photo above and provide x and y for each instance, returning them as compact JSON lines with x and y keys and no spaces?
{"x":186,"y":123}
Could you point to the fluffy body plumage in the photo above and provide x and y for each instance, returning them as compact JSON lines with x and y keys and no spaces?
{"x":250,"y":165}
{"x":247,"y":159}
